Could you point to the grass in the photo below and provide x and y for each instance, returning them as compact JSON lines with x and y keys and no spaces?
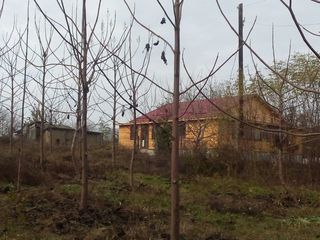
{"x":211,"y":208}
{"x":70,"y":188}
{"x":200,"y":219}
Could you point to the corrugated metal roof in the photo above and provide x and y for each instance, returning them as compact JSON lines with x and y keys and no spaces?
{"x":197,"y":109}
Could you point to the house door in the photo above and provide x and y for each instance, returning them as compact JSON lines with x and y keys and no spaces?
{"x":144,"y":140}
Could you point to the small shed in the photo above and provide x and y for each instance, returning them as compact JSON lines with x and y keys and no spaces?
{"x":58,"y":134}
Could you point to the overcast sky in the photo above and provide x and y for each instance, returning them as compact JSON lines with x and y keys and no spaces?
{"x":204,"y":31}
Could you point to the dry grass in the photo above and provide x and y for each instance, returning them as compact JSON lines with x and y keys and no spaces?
{"x":213,"y":205}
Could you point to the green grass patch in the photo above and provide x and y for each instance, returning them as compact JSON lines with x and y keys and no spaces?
{"x":154,"y":181}
{"x":210,"y":207}
{"x":70,"y":188}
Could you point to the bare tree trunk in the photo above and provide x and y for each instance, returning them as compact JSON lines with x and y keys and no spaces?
{"x":114,"y":135}
{"x":76,"y":135}
{"x":280,"y":165}
{"x":23,"y":102}
{"x":42,"y":114}
{"x":310,"y":163}
{"x":241,"y":77}
{"x":73,"y":152}
{"x":85,"y":90}
{"x":281,"y":146}
{"x":11,"y":114}
{"x":134,"y":149}
{"x":50,"y":127}
{"x":84,"y":169}
{"x":175,"y":198}
{"x":114,"y":115}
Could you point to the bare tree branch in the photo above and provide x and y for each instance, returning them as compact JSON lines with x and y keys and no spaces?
{"x":146,"y":28}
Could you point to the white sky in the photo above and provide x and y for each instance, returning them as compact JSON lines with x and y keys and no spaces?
{"x":204,"y":32}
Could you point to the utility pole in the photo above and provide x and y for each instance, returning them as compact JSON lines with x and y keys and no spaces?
{"x":241,"y":76}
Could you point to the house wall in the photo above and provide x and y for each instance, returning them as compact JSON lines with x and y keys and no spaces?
{"x":63,"y":137}
{"x":124,"y":136}
{"x":152,"y":144}
{"x":60,"y":137}
{"x":32,"y":133}
{"x":253,"y":140}
{"x":296,"y":144}
{"x":222,"y":131}
{"x":46,"y":137}
{"x":94,"y":139}
{"x":201,"y":132}
{"x":256,"y":111}
{"x":205,"y":131}
{"x":217,"y":133}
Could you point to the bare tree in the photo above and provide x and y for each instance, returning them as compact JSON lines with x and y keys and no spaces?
{"x":44,"y":56}
{"x":114,"y":107}
{"x":10,"y":66}
{"x":88,"y":56}
{"x":177,"y":9}
{"x":115,"y":66}
{"x":175,"y":23}
{"x":23,"y":100}
{"x":280,"y":92}
{"x":134,"y":81}
{"x":117,"y":72}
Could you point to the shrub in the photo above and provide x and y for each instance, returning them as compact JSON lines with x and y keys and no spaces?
{"x":163,"y":133}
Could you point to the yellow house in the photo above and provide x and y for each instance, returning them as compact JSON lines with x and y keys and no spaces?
{"x":203,"y":125}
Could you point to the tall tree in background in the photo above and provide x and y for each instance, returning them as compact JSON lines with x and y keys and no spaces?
{"x":21,"y":154}
{"x":282,"y":80}
{"x":278,"y":92}
{"x":296,"y":108}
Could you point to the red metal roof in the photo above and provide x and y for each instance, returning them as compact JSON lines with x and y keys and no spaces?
{"x":191,"y":109}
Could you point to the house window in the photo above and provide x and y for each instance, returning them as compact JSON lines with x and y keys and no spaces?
{"x":298,"y":158}
{"x":234,"y":132}
{"x":257,"y":134}
{"x":266,"y":136}
{"x":58,"y":141}
{"x":182,"y":129}
{"x":264,"y":156}
{"x":153,"y":132}
{"x":132,"y":131}
{"x":272,"y":119}
{"x":247,"y":133}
